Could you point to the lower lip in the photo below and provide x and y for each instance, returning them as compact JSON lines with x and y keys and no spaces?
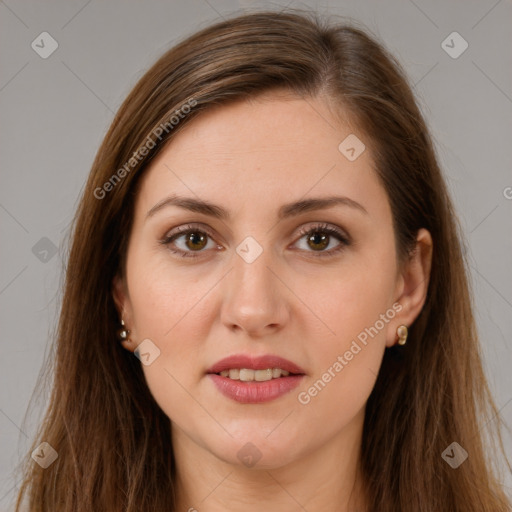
{"x":255,"y":392}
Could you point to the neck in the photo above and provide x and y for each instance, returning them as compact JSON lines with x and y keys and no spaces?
{"x":325,"y":478}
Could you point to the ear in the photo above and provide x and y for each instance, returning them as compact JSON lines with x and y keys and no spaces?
{"x":412,"y":285}
{"x":123,"y":306}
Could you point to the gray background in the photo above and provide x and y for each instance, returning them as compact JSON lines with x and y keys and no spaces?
{"x":55,"y":112}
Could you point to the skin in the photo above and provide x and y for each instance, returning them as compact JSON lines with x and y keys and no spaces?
{"x":251,"y":157}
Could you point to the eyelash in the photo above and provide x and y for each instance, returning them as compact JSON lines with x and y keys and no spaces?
{"x":320,"y":228}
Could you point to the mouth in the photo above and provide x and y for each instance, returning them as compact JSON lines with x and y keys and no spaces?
{"x":247,"y":379}
{"x":250,"y":375}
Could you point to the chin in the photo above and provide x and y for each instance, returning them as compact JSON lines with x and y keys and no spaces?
{"x":258,"y":452}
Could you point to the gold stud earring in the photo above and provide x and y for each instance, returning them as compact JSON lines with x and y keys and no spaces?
{"x":402,"y":333}
{"x":123,"y":333}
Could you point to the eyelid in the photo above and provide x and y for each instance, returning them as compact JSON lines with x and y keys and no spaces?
{"x":331,"y":229}
{"x":183,"y":230}
{"x":186,"y":228}
{"x":326,"y":227}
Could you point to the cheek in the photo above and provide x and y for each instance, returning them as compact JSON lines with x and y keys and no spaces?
{"x":356,"y":312}
{"x":345,"y":369}
{"x":164,"y":296}
{"x":171,"y":310}
{"x":348,"y":299}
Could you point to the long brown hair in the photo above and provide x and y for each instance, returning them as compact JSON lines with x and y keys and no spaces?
{"x":112,"y":439}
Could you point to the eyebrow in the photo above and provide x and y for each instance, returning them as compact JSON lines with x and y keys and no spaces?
{"x":285,"y":211}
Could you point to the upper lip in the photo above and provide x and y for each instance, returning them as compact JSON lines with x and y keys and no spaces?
{"x":255,"y":363}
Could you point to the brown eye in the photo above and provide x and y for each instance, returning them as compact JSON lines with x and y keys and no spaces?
{"x":320,"y":237}
{"x":187,"y":240}
{"x":318,"y":241}
{"x":195,"y":240}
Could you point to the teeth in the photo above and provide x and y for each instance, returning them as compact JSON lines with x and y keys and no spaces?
{"x":263,"y":375}
{"x":249,"y":375}
{"x":246,"y":374}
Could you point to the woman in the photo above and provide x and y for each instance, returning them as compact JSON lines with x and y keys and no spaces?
{"x":267,"y":230}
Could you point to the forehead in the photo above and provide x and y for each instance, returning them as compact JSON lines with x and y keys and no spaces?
{"x":275,"y":148}
{"x":281,"y":124}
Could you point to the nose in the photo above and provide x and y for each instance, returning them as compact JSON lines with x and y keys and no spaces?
{"x":254,"y":297}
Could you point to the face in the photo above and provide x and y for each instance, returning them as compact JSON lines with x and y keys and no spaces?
{"x":317,"y":287}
